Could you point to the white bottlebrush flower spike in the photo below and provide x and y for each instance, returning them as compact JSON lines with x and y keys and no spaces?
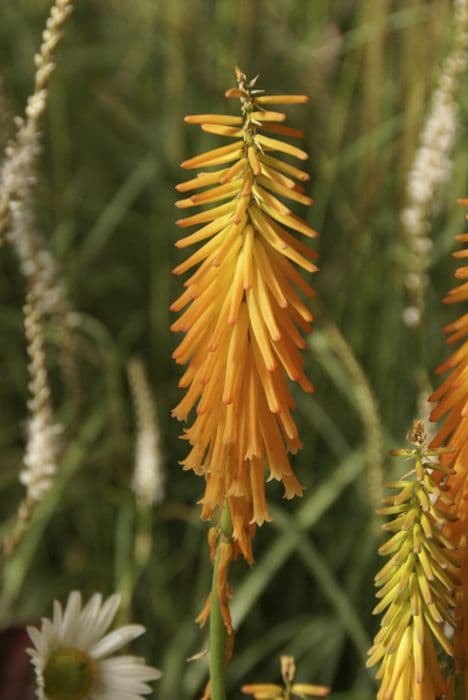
{"x":73,"y":654}
{"x":148,"y":478}
{"x":431,"y":168}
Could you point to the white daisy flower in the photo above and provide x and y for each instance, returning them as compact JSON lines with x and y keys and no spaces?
{"x":72,"y":654}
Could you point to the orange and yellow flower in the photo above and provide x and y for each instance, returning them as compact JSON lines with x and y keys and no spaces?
{"x":452,"y":405}
{"x":243,"y":312}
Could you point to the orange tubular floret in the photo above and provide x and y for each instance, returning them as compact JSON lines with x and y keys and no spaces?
{"x":276,"y":145}
{"x":281,"y":99}
{"x":268,"y":117}
{"x":212,"y":119}
{"x":220,"y":130}
{"x":211,"y":156}
{"x":242,"y":312}
{"x":452,"y":405}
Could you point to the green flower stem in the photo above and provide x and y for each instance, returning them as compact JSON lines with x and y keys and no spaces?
{"x":217,"y":628}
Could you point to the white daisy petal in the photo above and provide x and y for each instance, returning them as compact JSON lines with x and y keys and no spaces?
{"x":57,"y":619}
{"x":49,"y":633}
{"x":89,"y":630}
{"x":107,"y":614}
{"x":37,"y":639}
{"x":71,"y":618}
{"x":92,"y":608}
{"x":118,"y":685}
{"x":131,"y":667}
{"x":115,"y":640}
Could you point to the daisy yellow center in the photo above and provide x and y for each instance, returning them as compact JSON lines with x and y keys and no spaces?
{"x":68,"y":674}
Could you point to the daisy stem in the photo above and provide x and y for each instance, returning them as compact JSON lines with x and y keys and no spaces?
{"x":217,"y":628}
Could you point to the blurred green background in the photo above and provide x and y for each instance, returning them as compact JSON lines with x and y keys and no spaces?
{"x":113,"y":138}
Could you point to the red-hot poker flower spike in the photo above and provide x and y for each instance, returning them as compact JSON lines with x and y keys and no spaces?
{"x":451,"y":399}
{"x":242,"y":310}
